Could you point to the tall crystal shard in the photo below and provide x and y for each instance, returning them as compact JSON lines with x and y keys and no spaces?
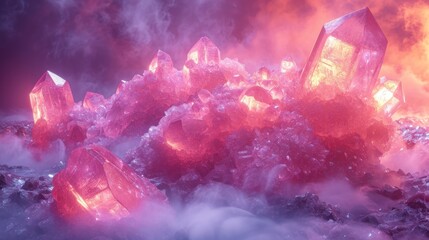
{"x":348,"y":54}
{"x":97,"y":183}
{"x":388,"y":96}
{"x":51,"y":98}
{"x":204,"y":52}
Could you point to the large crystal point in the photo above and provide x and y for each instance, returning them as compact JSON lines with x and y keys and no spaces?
{"x":97,"y":183}
{"x":51,"y":99}
{"x":388,"y":96}
{"x":348,"y":54}
{"x":204,"y":52}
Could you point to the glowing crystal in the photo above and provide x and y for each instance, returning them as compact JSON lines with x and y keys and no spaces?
{"x":97,"y":183}
{"x":51,"y":99}
{"x":347,"y":55}
{"x":256,"y":99}
{"x":388,"y":96}
{"x":204,"y":52}
{"x":287,"y":65}
{"x":161,"y":64}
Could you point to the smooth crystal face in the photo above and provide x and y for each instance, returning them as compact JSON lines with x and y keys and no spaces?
{"x":97,"y":183}
{"x":256,"y":99}
{"x":204,"y":52}
{"x":388,"y":96}
{"x":51,"y":99}
{"x":347,"y":55}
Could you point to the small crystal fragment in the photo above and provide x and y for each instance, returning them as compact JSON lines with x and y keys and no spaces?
{"x":347,"y":55}
{"x":287,"y":65}
{"x":51,"y":99}
{"x":93,"y":101}
{"x":204,"y":52}
{"x":388,"y":96}
{"x":97,"y":183}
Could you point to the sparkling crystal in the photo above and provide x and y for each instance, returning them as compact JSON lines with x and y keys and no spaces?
{"x":51,"y":99}
{"x":204,"y":52}
{"x":256,"y":99}
{"x":93,"y":101}
{"x":161,"y":64}
{"x":347,"y":55}
{"x":97,"y":183}
{"x":388,"y":96}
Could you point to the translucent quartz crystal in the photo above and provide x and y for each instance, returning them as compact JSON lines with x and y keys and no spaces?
{"x":202,"y":69}
{"x":348,"y":54}
{"x":161,"y":64}
{"x":256,"y":99}
{"x":97,"y":183}
{"x":51,"y":99}
{"x":204,"y":52}
{"x":93,"y":101}
{"x":388,"y":96}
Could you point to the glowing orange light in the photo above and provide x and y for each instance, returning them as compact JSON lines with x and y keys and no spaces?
{"x":388,"y":96}
{"x":256,"y":99}
{"x":153,"y":65}
{"x":334,"y":65}
{"x":193,"y":56}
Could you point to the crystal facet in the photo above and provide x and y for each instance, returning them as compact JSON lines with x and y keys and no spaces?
{"x":51,"y":99}
{"x":256,"y":99}
{"x":348,"y":54}
{"x":204,"y":52}
{"x":97,"y":183}
{"x":388,"y":96}
{"x":161,"y":64}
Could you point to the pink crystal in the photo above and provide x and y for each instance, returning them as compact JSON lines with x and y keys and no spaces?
{"x":51,"y":99}
{"x":204,"y":52}
{"x":348,"y":55}
{"x":161,"y":65}
{"x":388,"y":96}
{"x":256,"y":99}
{"x":97,"y":183}
{"x":202,"y":69}
{"x":93,"y":101}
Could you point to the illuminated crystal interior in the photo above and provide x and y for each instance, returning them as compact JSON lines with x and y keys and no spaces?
{"x":348,"y":54}
{"x":98,"y":183}
{"x":204,"y":52}
{"x":214,"y":123}
{"x":51,"y":99}
{"x":388,"y":96}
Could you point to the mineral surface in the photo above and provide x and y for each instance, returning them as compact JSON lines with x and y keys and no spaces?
{"x":97,"y":183}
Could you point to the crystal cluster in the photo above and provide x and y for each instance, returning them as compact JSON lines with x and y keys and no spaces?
{"x":214,"y":121}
